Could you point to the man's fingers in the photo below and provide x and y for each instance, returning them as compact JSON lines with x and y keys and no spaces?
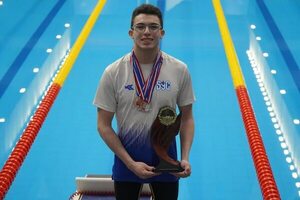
{"x":147,"y":171}
{"x":150,"y":168}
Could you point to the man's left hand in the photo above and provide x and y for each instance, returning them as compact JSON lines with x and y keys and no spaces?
{"x":187,"y":170}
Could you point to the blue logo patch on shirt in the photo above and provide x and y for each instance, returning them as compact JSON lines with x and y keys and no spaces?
{"x":129,"y":87}
{"x":163,"y":85}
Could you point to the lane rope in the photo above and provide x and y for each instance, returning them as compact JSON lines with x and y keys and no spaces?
{"x":16,"y":158}
{"x":261,"y":162}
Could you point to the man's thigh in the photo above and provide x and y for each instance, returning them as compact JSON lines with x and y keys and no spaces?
{"x":127,"y":190}
{"x":165,"y":190}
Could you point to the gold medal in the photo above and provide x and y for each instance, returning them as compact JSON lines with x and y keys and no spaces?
{"x":167,"y":115}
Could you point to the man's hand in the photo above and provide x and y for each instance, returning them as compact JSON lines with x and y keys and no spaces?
{"x":187,"y":170}
{"x":142,"y":170}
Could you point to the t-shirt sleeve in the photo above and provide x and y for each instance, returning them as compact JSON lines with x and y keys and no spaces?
{"x":105,"y":94}
{"x":186,"y":94}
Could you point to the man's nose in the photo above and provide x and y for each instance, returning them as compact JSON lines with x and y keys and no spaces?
{"x":147,"y":29}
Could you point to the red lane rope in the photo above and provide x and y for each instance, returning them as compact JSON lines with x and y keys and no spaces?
{"x":259,"y":155}
{"x":16,"y":158}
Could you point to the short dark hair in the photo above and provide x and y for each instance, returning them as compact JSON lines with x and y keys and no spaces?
{"x":147,"y":9}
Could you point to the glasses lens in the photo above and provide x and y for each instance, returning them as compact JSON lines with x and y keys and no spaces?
{"x":154,"y":27}
{"x":140,"y":27}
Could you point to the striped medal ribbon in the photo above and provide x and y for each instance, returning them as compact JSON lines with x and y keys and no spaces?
{"x":144,"y":89}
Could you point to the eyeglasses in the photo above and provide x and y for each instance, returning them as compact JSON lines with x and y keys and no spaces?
{"x":141,"y":28}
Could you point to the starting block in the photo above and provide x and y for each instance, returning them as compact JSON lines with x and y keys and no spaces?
{"x":101,"y":187}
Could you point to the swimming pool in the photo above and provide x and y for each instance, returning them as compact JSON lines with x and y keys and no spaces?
{"x":38,"y":38}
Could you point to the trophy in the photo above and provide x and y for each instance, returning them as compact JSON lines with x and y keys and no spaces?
{"x":163,"y":131}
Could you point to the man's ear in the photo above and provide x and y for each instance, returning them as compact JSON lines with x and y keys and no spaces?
{"x":162,"y":33}
{"x":130,"y":33}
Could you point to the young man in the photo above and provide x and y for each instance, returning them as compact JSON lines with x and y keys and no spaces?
{"x":134,"y":88}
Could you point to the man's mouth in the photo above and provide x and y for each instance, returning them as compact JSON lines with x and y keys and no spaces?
{"x":147,"y":39}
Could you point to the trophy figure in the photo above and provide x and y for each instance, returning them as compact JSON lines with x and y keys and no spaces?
{"x":163,"y":131}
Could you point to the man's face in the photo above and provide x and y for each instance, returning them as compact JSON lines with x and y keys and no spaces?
{"x":146,"y":31}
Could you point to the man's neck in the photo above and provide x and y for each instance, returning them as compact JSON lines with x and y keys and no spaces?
{"x":146,"y":56}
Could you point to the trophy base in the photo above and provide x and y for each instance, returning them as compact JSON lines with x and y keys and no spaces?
{"x":165,"y":166}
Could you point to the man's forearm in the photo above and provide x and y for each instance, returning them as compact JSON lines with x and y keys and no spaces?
{"x":111,"y":139}
{"x":186,"y":131}
{"x":186,"y":138}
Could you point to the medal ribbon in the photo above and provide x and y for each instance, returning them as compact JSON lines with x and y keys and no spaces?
{"x":144,"y":88}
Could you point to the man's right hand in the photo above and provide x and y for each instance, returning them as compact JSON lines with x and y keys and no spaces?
{"x":142,"y":170}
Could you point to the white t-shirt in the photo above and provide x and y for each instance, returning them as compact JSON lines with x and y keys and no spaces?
{"x":116,"y":93}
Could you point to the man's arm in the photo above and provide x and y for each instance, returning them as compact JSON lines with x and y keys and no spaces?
{"x":186,"y":138}
{"x":186,"y":131}
{"x":111,"y":139}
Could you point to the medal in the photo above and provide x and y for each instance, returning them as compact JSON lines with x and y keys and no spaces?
{"x":144,"y":89}
{"x":141,"y":105}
